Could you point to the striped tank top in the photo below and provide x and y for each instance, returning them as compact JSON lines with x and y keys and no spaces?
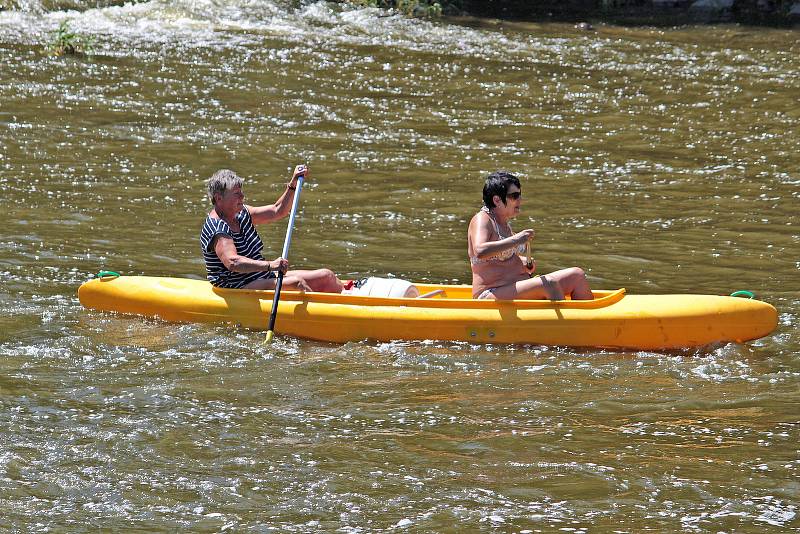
{"x":247,"y":242}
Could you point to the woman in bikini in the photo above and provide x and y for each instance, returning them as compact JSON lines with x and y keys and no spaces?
{"x":496,"y":253}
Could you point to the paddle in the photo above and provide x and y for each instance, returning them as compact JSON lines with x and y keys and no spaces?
{"x":274,"y":313}
{"x":530,"y":261}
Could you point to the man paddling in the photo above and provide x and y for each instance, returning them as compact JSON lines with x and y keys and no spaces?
{"x":232,"y":247}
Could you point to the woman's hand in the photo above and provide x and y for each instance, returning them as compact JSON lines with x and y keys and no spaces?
{"x":520,"y":238}
{"x":279,"y":265}
{"x":296,"y":283}
{"x":302,"y":285}
{"x":300,"y":170}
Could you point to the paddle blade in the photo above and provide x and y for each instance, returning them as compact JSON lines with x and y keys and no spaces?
{"x":268,"y":339}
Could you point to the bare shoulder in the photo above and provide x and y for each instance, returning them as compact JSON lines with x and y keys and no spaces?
{"x":479,"y":220}
{"x":479,"y":217}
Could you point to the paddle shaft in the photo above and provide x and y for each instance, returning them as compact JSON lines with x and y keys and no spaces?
{"x":530,"y":260}
{"x":285,"y":254}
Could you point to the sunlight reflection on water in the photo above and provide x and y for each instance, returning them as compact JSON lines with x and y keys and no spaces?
{"x":662,"y":160}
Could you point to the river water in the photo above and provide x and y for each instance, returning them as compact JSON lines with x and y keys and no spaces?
{"x":660,"y":160}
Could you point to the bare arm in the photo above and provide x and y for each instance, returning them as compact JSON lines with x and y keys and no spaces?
{"x":480,"y":235}
{"x":282,"y":206}
{"x":226,"y":251}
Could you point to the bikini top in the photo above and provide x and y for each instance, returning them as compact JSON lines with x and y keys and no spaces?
{"x":503,"y":255}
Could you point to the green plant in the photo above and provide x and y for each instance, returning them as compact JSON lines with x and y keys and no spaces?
{"x":65,"y":41}
{"x":414,"y":8}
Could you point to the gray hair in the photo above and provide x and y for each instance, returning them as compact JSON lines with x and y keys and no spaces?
{"x":221,"y":181}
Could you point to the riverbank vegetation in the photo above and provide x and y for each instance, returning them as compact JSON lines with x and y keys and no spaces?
{"x":656,"y":12}
{"x":415,"y":8}
{"x":66,"y":42}
{"x":650,"y":12}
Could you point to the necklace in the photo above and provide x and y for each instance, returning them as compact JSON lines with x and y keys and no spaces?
{"x":497,"y":224}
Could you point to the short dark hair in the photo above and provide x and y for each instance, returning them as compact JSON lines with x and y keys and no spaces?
{"x":497,"y":184}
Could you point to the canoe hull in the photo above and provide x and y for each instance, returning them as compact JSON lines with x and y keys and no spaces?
{"x":613,"y":320}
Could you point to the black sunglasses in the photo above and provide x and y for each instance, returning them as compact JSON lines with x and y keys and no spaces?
{"x":515,"y":195}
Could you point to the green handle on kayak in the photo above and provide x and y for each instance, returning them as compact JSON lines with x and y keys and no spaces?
{"x":105,"y":274}
{"x":743,"y":293}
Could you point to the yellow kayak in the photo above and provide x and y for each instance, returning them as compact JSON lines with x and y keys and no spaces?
{"x":613,"y":319}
